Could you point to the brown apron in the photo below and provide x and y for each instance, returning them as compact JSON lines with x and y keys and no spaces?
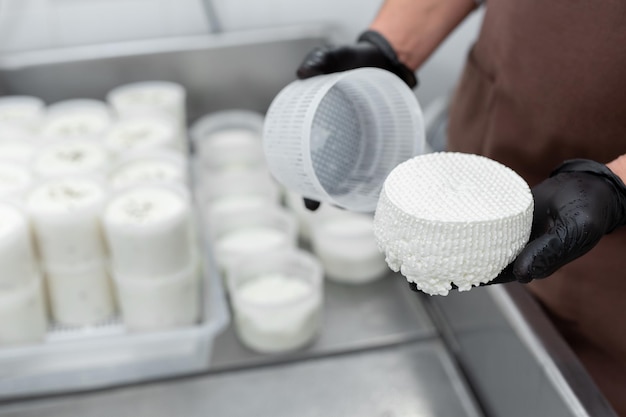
{"x":546,"y":81}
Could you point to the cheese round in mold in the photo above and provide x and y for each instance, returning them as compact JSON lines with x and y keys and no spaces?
{"x":17,"y":258}
{"x":15,"y":180}
{"x":66,"y":217}
{"x":24,"y":112}
{"x":140,"y":134}
{"x":149,"y":232}
{"x":78,"y":118}
{"x":446,"y":218}
{"x":159,"y":167}
{"x":72,"y":157}
{"x":23,"y":313}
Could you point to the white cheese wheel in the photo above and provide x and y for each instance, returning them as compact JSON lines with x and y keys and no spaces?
{"x":16,"y":150}
{"x":231,"y":148}
{"x":157,"y":98}
{"x":72,"y":157}
{"x":74,"y":119}
{"x":23,"y":314}
{"x":24,"y":112}
{"x":149,"y":232}
{"x":17,"y":257}
{"x":15,"y":181}
{"x":66,"y":217}
{"x":140,"y":134}
{"x":150,"y":168}
{"x":446,"y":218}
{"x":167,"y":302}
{"x":80,"y":294}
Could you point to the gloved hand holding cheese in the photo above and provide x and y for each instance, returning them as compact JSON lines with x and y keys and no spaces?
{"x":446,"y":218}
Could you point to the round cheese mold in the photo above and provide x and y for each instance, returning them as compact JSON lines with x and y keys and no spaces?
{"x":17,"y":257}
{"x":66,"y":217}
{"x":346,"y":247}
{"x":446,"y":218}
{"x":72,"y":157}
{"x":158,"y":167}
{"x":163,"y":303}
{"x":15,"y":181}
{"x":80,"y":295}
{"x":24,"y":112}
{"x":149,"y":232}
{"x":277,"y":300}
{"x":23,"y":314}
{"x":140,"y":134}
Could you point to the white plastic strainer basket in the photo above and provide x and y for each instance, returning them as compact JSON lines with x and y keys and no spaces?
{"x":336,"y":137}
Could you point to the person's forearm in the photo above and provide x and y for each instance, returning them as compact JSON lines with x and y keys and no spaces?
{"x":618,"y":166}
{"x":416,"y":27}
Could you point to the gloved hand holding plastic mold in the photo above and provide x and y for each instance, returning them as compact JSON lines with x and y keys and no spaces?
{"x":371,"y":50}
{"x":574,"y":208}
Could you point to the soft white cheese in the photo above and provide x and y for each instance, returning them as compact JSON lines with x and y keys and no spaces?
{"x":66,"y":217}
{"x":17,"y":258}
{"x":72,"y":157}
{"x":139,"y":134}
{"x":149,"y":232}
{"x":23,"y":314}
{"x":448,"y":218}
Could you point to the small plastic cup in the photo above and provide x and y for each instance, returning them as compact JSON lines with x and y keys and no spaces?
{"x":163,"y":303}
{"x":80,"y":295}
{"x":228,"y":184}
{"x":277,"y":301}
{"x":335,"y":138}
{"x":346,"y":247}
{"x":229,"y":139}
{"x":246,"y":233}
{"x":23,"y":313}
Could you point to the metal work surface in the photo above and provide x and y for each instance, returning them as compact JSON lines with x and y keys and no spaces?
{"x":355,"y":318}
{"x":242,"y":70}
{"x":412,"y":380}
{"x":513,"y":357}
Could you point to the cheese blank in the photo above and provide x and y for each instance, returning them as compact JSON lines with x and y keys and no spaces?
{"x":446,"y":218}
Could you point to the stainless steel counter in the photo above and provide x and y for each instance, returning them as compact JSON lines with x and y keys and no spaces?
{"x":379,"y":314}
{"x":411,"y":380}
{"x":379,"y":353}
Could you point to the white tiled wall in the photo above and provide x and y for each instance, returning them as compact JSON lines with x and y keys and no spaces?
{"x":41,"y":24}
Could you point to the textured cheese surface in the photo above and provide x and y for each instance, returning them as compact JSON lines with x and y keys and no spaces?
{"x":76,"y":156}
{"x":147,"y":206}
{"x":140,"y":133}
{"x":147,"y":171}
{"x":13,"y":177}
{"x":75,"y":125}
{"x":446,"y":218}
{"x":66,"y":195}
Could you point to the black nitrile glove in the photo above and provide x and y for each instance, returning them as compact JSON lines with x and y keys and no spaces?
{"x":581,"y":201}
{"x":371,"y":50}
